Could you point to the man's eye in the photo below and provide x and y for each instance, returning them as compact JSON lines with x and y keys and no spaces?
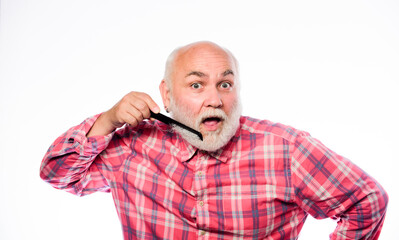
{"x":225,"y":85}
{"x":196,"y":85}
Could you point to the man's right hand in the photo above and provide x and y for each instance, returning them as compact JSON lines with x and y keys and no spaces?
{"x":133,"y":108}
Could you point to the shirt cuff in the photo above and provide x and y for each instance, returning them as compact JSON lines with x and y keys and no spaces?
{"x":88,"y":146}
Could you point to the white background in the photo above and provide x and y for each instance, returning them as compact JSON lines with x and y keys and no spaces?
{"x":327,"y":67}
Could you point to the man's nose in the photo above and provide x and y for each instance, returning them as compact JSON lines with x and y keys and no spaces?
{"x":213,"y":98}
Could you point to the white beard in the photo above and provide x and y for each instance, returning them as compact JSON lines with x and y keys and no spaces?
{"x":212,"y":141}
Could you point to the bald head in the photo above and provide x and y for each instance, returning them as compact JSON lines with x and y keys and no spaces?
{"x":196,"y":50}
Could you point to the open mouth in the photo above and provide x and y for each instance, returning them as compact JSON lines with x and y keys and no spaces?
{"x":212,"y":123}
{"x":212,"y":120}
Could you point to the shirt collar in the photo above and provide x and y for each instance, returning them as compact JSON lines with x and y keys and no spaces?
{"x":185,"y":151}
{"x":227,"y":152}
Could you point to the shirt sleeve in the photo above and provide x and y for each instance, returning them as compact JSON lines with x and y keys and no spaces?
{"x":329,"y":185}
{"x":72,"y":162}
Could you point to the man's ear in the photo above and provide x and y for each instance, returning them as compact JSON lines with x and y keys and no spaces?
{"x":165,"y":93}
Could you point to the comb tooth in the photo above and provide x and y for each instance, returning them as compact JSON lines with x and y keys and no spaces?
{"x":169,"y":121}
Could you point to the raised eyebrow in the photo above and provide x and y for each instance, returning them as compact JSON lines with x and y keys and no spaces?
{"x":196,"y":73}
{"x":228,"y":72}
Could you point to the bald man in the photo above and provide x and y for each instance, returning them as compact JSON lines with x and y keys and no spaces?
{"x":247,"y":178}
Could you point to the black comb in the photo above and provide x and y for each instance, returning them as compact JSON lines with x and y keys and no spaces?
{"x":169,"y":120}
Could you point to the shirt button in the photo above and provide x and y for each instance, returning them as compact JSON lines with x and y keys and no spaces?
{"x":200,"y":173}
{"x":201,"y":203}
{"x":202,"y":232}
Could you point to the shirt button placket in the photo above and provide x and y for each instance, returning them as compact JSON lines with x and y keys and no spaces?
{"x":199,"y":174}
{"x":201,"y":195}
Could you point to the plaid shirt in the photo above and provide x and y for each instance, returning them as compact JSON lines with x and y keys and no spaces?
{"x":261,"y":185}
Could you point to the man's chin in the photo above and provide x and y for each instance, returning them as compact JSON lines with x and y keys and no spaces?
{"x":212,"y":141}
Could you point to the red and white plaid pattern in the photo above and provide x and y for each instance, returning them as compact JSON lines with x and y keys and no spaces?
{"x":261,"y":185}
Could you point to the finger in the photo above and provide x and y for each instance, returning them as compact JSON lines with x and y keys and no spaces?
{"x":131,"y":121}
{"x":131,"y":118}
{"x":153,"y":106}
{"x":140,"y":109}
{"x":142,"y":102}
{"x":137,"y":114}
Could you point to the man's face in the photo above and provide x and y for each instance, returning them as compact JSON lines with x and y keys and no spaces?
{"x":204,"y":94}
